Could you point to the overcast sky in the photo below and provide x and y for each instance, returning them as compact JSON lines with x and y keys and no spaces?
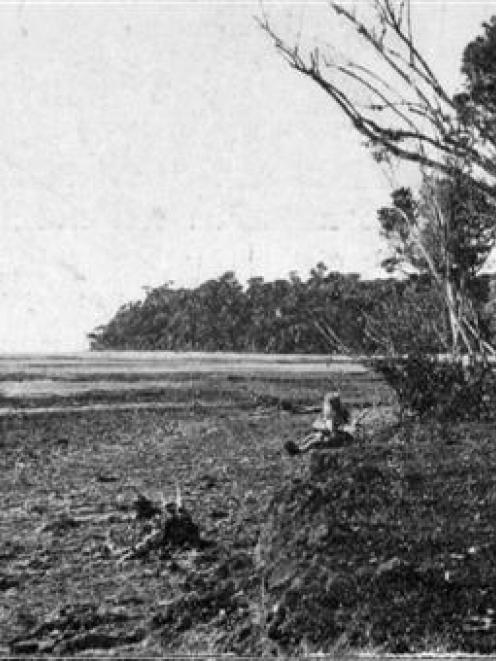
{"x":146,"y":142}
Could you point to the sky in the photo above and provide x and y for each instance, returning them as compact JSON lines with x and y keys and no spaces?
{"x":145,"y":142}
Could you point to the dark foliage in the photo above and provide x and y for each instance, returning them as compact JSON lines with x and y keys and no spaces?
{"x":327,"y":312}
{"x":477,"y":103}
{"x":457,"y":230}
{"x":426,"y":385}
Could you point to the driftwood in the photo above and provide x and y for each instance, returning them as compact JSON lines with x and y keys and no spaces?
{"x":170,"y":526}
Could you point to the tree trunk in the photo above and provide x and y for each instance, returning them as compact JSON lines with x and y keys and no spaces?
{"x":457,"y":339}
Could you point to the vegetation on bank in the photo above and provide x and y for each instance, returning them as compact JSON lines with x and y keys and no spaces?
{"x":439,"y":237}
{"x":393,"y":553}
{"x":326,"y":312}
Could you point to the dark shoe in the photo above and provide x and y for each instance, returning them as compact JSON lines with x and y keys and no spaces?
{"x":291,"y":448}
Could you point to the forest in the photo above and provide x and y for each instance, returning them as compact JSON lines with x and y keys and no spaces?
{"x":327,"y":312}
{"x":438,"y":296}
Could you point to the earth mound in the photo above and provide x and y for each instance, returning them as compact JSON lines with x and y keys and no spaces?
{"x":385,"y":545}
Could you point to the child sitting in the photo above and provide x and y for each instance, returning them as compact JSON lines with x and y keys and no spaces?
{"x":327,"y":429}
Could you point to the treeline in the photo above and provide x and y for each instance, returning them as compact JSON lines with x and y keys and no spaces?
{"x":326,"y":312}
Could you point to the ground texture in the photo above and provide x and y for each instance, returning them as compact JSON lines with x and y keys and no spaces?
{"x":68,"y":482}
{"x":386,"y":546}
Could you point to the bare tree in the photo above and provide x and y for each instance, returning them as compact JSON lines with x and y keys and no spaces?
{"x":408,"y":113}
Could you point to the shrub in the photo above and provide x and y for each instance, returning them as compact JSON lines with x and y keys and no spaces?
{"x":448,"y":388}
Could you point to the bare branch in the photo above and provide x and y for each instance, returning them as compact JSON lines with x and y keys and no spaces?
{"x":426,"y":130}
{"x":424,"y":71}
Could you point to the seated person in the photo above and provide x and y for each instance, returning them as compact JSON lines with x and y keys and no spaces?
{"x":327,"y":429}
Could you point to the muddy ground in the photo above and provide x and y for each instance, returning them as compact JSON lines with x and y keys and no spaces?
{"x":67,"y":483}
{"x":387,"y":546}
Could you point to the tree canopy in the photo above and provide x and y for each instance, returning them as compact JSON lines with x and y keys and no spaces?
{"x":394,"y":98}
{"x":324,"y":313}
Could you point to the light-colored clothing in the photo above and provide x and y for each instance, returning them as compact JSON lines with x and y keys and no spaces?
{"x":327,"y":432}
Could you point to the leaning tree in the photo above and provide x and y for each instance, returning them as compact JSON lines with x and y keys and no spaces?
{"x":446,"y":232}
{"x":394,"y":99}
